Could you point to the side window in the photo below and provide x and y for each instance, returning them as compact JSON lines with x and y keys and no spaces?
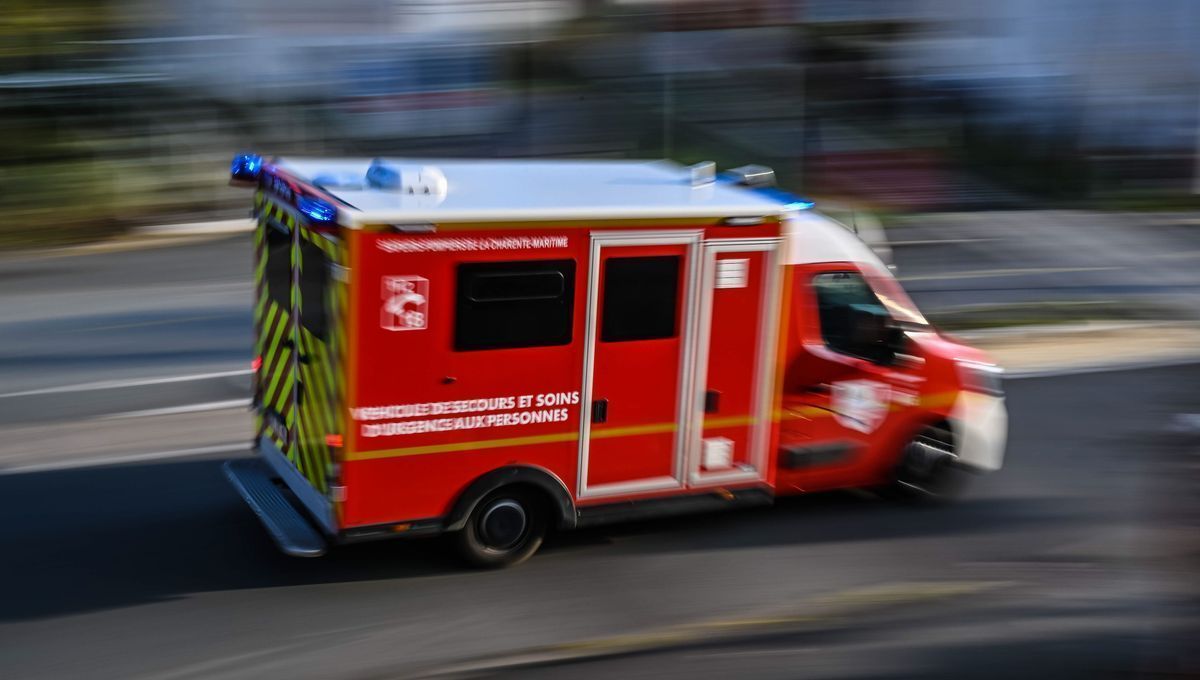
{"x":853,"y":321}
{"x":279,"y":267}
{"x":314,"y":280}
{"x":504,"y":305}
{"x":640,"y":298}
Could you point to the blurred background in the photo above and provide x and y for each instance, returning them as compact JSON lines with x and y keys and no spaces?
{"x":119,"y":114}
{"x":122,"y":112}
{"x":1030,"y":167}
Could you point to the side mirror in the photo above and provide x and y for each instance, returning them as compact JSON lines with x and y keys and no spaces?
{"x":897,"y":342}
{"x":876,"y":336}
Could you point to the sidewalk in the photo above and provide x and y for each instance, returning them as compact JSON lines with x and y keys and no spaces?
{"x":1091,"y":346}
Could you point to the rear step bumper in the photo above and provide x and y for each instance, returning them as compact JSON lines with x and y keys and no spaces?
{"x":291,"y":530}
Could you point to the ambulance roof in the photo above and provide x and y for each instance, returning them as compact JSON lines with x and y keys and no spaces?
{"x":510,"y":190}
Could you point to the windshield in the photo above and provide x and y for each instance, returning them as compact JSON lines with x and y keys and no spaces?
{"x":899,"y":305}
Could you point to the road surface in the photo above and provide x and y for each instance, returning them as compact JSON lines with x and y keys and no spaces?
{"x":1076,"y":560}
{"x":124,"y":317}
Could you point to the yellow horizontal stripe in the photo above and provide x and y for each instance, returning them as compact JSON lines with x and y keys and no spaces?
{"x":464,"y":446}
{"x":632,"y":430}
{"x":730,"y":421}
{"x":809,"y":412}
{"x":929,"y":401}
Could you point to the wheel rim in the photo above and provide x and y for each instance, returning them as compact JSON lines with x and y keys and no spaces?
{"x":503,"y":524}
{"x":926,"y":463}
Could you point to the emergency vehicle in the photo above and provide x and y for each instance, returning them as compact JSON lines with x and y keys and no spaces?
{"x":499,"y":348}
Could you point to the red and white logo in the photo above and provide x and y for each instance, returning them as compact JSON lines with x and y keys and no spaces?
{"x":405,"y":303}
{"x":860,"y":404}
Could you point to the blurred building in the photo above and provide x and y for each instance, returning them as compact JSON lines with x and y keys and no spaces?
{"x":1114,"y":82}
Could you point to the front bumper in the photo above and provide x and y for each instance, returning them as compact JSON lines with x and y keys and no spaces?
{"x":980,"y":424}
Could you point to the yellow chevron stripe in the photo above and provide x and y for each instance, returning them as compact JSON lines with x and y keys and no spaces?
{"x":304,"y":444}
{"x":313,"y":380}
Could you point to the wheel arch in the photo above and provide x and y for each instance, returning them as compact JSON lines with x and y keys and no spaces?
{"x":549,"y":484}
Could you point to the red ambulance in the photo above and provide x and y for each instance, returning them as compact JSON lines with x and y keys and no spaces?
{"x":500,"y":348}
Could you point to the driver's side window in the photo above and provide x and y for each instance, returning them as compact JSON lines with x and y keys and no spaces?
{"x":853,"y":320}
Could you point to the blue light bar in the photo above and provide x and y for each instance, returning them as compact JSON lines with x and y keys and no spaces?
{"x":789,"y":200}
{"x":246,"y":167}
{"x":320,"y":212}
{"x":381,"y":176}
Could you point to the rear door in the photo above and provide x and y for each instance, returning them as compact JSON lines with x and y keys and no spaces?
{"x":275,"y":317}
{"x":298,"y":340}
{"x":318,"y":335}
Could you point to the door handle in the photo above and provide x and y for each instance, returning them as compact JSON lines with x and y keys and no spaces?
{"x":600,"y":411}
{"x":712,"y":401}
{"x":820,"y":388}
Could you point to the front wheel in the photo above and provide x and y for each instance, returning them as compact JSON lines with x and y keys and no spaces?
{"x":929,"y":471}
{"x":505,"y":528}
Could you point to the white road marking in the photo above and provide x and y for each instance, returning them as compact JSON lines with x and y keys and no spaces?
{"x":186,"y":408}
{"x":132,"y":382}
{"x":997,"y":273}
{"x":118,"y":460}
{"x":938,"y":241}
{"x":788,"y":651}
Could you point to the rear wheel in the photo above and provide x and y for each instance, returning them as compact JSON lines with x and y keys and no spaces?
{"x":929,"y":471}
{"x":505,"y":528}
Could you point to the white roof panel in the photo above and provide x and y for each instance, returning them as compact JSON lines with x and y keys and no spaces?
{"x":499,"y":190}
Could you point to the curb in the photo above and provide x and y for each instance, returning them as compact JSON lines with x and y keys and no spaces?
{"x":239,"y":225}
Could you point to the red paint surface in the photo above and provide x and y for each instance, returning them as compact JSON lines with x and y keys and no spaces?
{"x":414,"y":475}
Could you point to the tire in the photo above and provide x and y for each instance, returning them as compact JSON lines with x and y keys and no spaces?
{"x":928,"y":471}
{"x":504,"y":529}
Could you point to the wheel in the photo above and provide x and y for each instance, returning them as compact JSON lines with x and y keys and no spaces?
{"x":505,"y":528}
{"x":928,"y":471}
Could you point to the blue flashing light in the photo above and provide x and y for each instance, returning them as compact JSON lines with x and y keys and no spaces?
{"x":320,"y":212}
{"x":246,"y":167}
{"x":789,"y":200}
{"x":381,"y":176}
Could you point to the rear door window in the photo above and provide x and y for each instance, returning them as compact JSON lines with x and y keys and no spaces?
{"x":279,"y":266}
{"x":314,"y":282}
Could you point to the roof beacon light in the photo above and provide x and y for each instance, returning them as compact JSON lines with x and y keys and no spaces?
{"x":704,"y":172}
{"x":425,"y":181}
{"x":752,"y":176}
{"x":381,"y":176}
{"x":320,"y":212}
{"x":246,"y":168}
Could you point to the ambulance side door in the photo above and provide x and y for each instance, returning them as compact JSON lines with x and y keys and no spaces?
{"x":847,"y":387}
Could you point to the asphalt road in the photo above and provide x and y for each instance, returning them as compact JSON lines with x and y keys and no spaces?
{"x":123,"y":317}
{"x":1076,"y":560}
